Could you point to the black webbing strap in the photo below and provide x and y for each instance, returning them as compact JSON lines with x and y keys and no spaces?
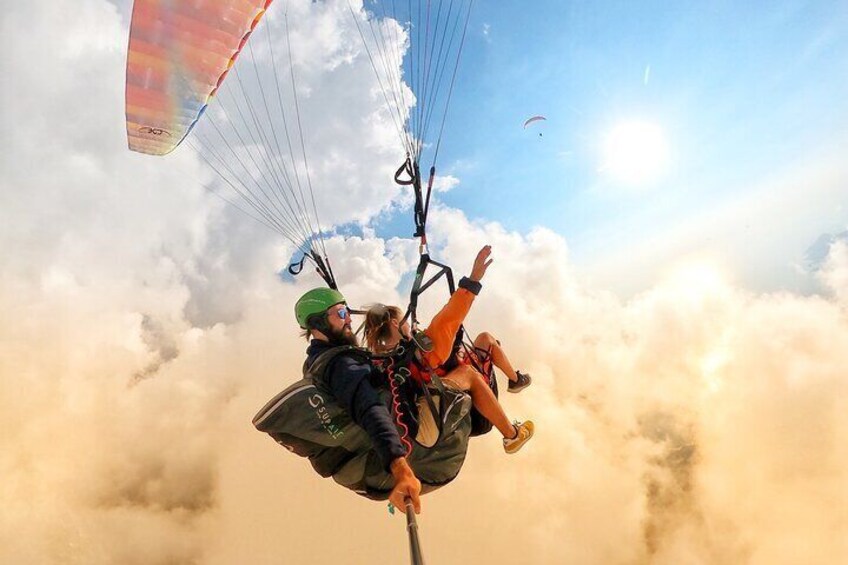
{"x":322,"y":267}
{"x":412,"y":171}
{"x":420,"y":212}
{"x":296,"y":267}
{"x":419,"y":285}
{"x":405,"y":168}
{"x":429,"y":191}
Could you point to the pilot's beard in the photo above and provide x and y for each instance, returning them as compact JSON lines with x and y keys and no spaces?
{"x":343,"y":337}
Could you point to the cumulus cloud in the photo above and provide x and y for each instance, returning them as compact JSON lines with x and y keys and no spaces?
{"x":122,"y":278}
{"x":143,"y":324}
{"x":692,"y":422}
{"x":445,"y":183}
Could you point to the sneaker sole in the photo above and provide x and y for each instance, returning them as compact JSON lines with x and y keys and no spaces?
{"x":515,"y":389}
{"x":518,"y":445}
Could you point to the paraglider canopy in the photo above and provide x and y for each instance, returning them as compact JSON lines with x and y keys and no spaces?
{"x":534,"y":119}
{"x":179,"y":59}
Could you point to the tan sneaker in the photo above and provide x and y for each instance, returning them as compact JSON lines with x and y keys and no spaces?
{"x":524,"y":433}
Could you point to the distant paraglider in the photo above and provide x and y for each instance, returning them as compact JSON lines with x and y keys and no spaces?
{"x":534,"y":119}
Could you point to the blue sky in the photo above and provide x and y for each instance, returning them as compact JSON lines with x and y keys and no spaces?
{"x":744,"y":94}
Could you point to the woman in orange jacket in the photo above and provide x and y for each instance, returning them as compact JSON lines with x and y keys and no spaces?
{"x":385,"y":328}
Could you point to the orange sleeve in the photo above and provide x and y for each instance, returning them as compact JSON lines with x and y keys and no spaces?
{"x":445,"y":324}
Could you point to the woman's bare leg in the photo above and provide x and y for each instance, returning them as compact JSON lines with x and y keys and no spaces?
{"x":487,"y":342}
{"x":466,"y":378}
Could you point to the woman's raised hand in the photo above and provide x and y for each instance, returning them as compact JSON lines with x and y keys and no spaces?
{"x":481,"y":263}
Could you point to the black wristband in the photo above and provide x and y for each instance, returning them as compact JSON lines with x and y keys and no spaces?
{"x":474,"y":287}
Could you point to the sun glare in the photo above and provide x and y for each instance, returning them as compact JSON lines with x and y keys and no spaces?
{"x":635,"y":153}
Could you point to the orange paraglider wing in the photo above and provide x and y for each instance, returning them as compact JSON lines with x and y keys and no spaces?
{"x":179,"y":53}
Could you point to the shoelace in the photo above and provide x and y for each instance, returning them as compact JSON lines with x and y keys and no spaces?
{"x":516,"y":425}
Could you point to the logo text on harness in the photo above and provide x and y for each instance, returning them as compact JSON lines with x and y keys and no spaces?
{"x":317,"y":402}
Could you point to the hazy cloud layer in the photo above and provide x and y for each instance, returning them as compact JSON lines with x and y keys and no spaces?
{"x":142,"y":325}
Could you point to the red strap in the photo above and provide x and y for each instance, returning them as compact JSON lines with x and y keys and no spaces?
{"x":404,"y":430}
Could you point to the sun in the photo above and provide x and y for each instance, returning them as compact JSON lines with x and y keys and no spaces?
{"x":635,"y":153}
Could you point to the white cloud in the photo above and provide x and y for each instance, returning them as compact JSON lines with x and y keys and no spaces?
{"x":445,"y":183}
{"x":487,"y":32}
{"x":125,"y":285}
{"x":746,"y":225}
{"x":679,"y":399}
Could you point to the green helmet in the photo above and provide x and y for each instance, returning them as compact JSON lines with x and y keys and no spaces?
{"x":316,"y":301}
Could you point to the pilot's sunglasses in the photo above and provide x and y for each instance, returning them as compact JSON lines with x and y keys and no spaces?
{"x":342,"y":312}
